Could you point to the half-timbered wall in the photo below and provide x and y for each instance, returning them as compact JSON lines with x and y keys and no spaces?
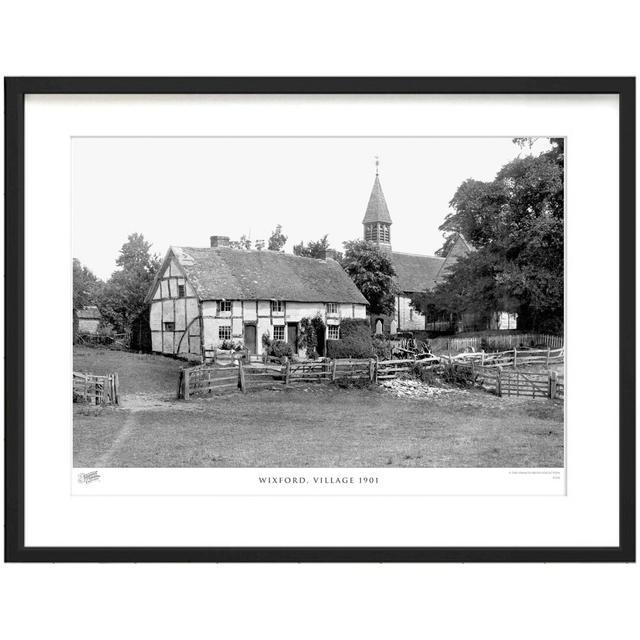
{"x":259,"y":312}
{"x":174,"y":318}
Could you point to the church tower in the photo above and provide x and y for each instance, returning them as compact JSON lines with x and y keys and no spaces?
{"x":377,"y":221}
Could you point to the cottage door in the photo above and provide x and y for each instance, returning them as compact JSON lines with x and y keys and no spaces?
{"x":292,"y":336}
{"x":250,"y":338}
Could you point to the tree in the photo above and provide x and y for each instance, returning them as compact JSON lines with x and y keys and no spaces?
{"x":277,"y":240}
{"x":244,"y":243}
{"x":516,"y":223}
{"x":126,"y":289}
{"x":373,"y":273}
{"x":86,"y":286}
{"x":315,"y":249}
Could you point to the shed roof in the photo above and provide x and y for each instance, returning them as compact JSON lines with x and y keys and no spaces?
{"x":89,"y":313}
{"x":235,"y":274}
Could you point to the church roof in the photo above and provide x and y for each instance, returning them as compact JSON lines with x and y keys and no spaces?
{"x":234,"y":274}
{"x":415,"y":272}
{"x":377,"y":210}
{"x":459,"y":249}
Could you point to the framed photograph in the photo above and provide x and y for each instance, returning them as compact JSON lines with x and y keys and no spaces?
{"x":320,"y":319}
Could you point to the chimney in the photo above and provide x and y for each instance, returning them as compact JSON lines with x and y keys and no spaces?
{"x":219,"y":241}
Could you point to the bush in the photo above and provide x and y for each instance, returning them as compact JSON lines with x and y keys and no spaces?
{"x":352,"y":383}
{"x":424,"y":373}
{"x":232,"y":345}
{"x":355,"y":328}
{"x":349,"y":348}
{"x":459,"y":376}
{"x":280,"y":349}
{"x":355,"y":340}
{"x":381,"y":347}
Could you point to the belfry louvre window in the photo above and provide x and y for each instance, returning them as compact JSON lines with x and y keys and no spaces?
{"x":332,"y":308}
{"x":224,"y":333}
{"x":224,"y":305}
{"x":180,"y":291}
{"x":333,"y":332}
{"x":278,"y":333}
{"x":277,"y":306}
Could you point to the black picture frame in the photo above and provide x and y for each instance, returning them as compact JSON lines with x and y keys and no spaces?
{"x":15,"y":91}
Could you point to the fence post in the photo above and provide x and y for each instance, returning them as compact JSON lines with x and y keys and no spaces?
{"x":515,"y":356}
{"x":241,"y":376}
{"x":553,"y":384}
{"x":499,"y":382}
{"x":186,"y":384}
{"x":371,"y":369}
{"x":548,"y":355}
{"x":483,"y":357}
{"x":287,"y":371}
{"x":449,"y":348}
{"x":180,"y":378}
{"x":333,"y":369}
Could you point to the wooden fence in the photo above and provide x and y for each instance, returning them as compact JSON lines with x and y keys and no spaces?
{"x":91,"y":389}
{"x":487,"y":371}
{"x":223,"y":356}
{"x":513,"y":357}
{"x":515,"y":383}
{"x":501,"y":341}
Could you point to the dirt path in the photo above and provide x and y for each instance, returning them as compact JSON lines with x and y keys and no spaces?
{"x":131,"y":405}
{"x":125,"y":433}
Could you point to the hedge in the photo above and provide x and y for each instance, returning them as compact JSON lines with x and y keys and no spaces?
{"x":355,"y":340}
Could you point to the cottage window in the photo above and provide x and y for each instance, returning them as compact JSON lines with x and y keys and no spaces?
{"x":224,"y":333}
{"x":277,"y":306}
{"x":333,"y":332}
{"x":169,"y":326}
{"x":332,"y":308}
{"x":224,"y":305}
{"x":410,"y":314}
{"x":278,"y":333}
{"x":180,"y":291}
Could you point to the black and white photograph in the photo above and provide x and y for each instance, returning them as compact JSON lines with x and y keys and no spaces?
{"x":318,"y":302}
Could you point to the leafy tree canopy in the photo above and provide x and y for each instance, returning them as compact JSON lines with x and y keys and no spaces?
{"x":243,"y":243}
{"x":124,"y":293}
{"x":516,"y":223}
{"x":277,"y":240}
{"x":315,"y":249}
{"x":87,"y":287}
{"x":373,"y":273}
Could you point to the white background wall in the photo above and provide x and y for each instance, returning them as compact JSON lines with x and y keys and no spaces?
{"x":284,"y":38}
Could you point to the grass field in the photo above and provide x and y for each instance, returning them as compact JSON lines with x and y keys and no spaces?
{"x":316,"y":426}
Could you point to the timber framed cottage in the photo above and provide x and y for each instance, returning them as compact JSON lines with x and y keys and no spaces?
{"x":204,"y":297}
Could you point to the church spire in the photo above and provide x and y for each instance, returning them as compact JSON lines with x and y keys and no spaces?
{"x":377,"y":221}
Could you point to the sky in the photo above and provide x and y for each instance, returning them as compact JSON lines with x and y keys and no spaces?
{"x":180,"y":191}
